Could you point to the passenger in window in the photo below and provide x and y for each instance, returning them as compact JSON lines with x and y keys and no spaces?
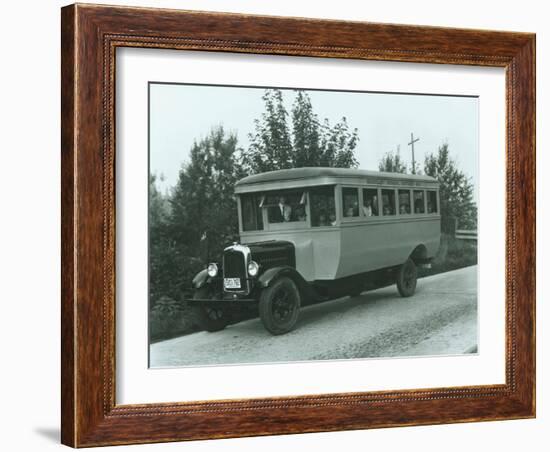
{"x":367,"y":210}
{"x":284,"y":209}
{"x":419,"y":206}
{"x":332,"y":219}
{"x":370,"y":203}
{"x":432,"y":202}
{"x":322,"y":206}
{"x":352,"y":210}
{"x":374,"y":206}
{"x":404,"y":209}
{"x":301,"y":214}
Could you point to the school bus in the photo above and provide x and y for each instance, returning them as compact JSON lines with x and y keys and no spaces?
{"x":310,"y":234}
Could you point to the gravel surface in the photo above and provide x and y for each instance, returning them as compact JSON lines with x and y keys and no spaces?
{"x":440,"y":319}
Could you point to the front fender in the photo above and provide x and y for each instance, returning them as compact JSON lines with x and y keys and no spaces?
{"x":272,"y":274}
{"x":200,"y":279}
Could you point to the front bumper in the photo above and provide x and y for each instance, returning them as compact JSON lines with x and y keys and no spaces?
{"x":223,"y":303}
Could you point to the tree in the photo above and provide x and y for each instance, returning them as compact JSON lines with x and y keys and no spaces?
{"x":161,"y":257}
{"x":309,"y":143}
{"x":270,"y":144}
{"x":455,"y":191}
{"x":190,"y":226}
{"x":392,"y":163}
{"x":306,"y":133}
{"x":338,"y":145}
{"x":159,"y":206}
{"x":204,"y":208}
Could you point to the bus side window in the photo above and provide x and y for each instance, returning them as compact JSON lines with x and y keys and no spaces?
{"x":285,"y":206}
{"x":388,"y":202}
{"x":350,"y":202}
{"x":404,"y":202}
{"x":432,"y":201}
{"x":370,"y":202}
{"x":419,"y":201}
{"x":323,"y":207}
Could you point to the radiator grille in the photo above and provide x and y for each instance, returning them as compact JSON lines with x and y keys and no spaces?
{"x":234,"y":266}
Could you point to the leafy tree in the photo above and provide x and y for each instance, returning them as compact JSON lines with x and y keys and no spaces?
{"x":306,"y":133}
{"x":204,"y":209}
{"x":270,"y":144}
{"x":161,"y":256}
{"x":338,"y":145}
{"x":159,"y":206}
{"x":190,"y":227}
{"x":392,"y":163}
{"x":456,"y":191}
{"x":417,"y":170}
{"x":309,"y":143}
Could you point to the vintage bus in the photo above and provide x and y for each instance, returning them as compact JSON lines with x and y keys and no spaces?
{"x":316,"y":234}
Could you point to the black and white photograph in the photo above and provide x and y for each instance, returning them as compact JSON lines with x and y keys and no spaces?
{"x":290,"y":224}
{"x":262,"y":226}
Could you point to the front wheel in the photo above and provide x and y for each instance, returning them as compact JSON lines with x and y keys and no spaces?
{"x":209,"y":318}
{"x":279,"y":306}
{"x":406,"y":278}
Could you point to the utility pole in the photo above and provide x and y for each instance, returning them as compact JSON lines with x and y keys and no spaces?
{"x":411,"y":144}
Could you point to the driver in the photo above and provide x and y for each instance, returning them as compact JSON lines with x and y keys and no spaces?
{"x":285,"y":209}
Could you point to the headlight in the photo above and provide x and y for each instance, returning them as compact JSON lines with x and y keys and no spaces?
{"x":253,"y":268}
{"x":212,"y":270}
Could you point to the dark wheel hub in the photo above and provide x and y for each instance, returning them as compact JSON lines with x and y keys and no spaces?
{"x":409,"y":277}
{"x":406,"y":278}
{"x":283,"y":306}
{"x":280,"y":305}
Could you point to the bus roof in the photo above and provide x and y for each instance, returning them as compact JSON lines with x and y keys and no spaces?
{"x":311,"y":177}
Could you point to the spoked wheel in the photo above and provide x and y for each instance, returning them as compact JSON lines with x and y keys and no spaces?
{"x":209,"y":318}
{"x":280,"y":306}
{"x":406,"y":278}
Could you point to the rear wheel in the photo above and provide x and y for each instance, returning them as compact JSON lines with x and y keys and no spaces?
{"x":280,"y":306}
{"x":209,"y":318}
{"x":406,"y":278}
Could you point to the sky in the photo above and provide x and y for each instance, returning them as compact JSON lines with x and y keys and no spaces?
{"x":181,"y":114}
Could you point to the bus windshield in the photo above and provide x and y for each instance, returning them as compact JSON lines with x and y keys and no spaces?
{"x":251,"y":212}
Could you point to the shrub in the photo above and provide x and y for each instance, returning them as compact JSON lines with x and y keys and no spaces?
{"x":170,"y":318}
{"x":452,"y":255}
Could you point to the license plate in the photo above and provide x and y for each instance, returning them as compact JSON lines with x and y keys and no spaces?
{"x":232,"y":283}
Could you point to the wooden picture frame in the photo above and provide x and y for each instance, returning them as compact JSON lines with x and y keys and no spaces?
{"x":90,"y":36}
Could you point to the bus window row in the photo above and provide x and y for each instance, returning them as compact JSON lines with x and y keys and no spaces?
{"x":289,"y":206}
{"x":386,"y":202}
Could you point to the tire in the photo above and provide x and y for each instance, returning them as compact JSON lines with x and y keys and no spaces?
{"x":208,"y":318}
{"x":406,"y":278}
{"x":280,"y":306}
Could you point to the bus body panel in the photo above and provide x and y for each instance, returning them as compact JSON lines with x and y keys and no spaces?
{"x":335,"y":252}
{"x":317,"y":250}
{"x":379,"y":244}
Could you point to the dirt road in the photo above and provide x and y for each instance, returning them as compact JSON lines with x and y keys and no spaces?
{"x":441,"y":318}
